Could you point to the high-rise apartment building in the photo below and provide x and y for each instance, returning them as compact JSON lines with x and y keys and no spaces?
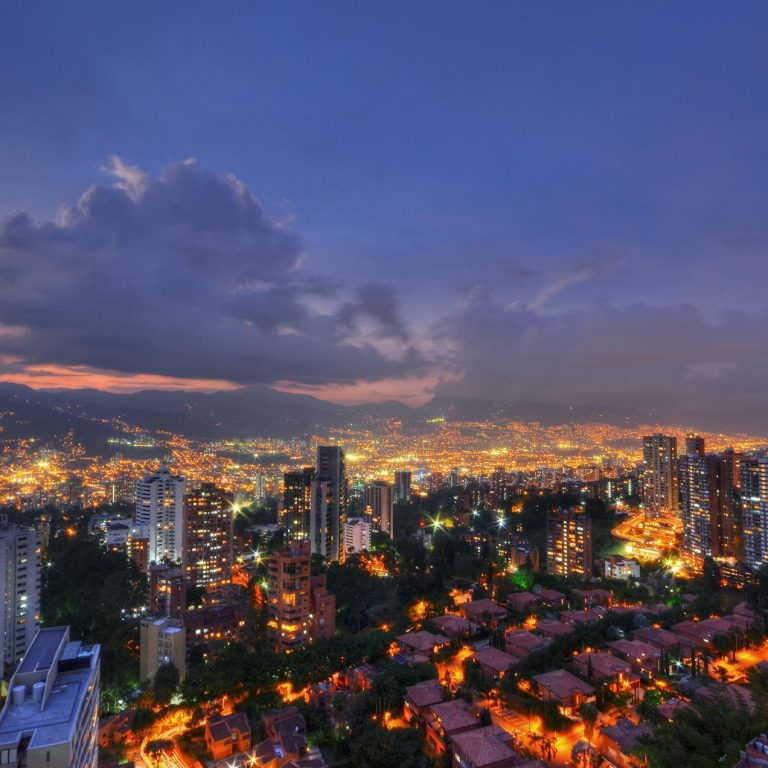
{"x":707,"y":503}
{"x":660,"y":479}
{"x":300,"y":607}
{"x":754,"y":512}
{"x":288,"y":597}
{"x":569,"y":543}
{"x":378,"y":507}
{"x":167,"y":591}
{"x":160,"y":506}
{"x":402,"y":489}
{"x":20,"y":582}
{"x":296,"y":506}
{"x":208,"y":545}
{"x":357,"y":536}
{"x":162,"y":641}
{"x":51,"y":715}
{"x":329,"y":503}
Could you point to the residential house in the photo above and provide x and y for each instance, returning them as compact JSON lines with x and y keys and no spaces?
{"x":446,"y":720}
{"x":619,"y":743}
{"x":565,"y":689}
{"x":489,"y":747}
{"x":494,"y":663}
{"x":601,"y":667}
{"x":418,"y":647}
{"x":523,"y":602}
{"x":227,"y":735}
{"x":520,"y":643}
{"x":642,"y":657}
{"x":485,"y":613}
{"x":418,"y":698}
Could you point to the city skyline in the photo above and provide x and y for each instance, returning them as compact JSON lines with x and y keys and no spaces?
{"x":545,"y":207}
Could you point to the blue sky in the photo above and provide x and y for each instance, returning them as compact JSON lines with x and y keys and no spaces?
{"x":564,"y":165}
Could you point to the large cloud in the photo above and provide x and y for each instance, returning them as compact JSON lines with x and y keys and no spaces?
{"x":671,"y":363}
{"x":183,"y":275}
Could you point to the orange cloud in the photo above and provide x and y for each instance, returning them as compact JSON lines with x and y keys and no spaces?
{"x":83,"y":377}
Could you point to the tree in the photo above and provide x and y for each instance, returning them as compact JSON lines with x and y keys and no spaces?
{"x":589,"y":715}
{"x":376,"y":747}
{"x":165,"y":684}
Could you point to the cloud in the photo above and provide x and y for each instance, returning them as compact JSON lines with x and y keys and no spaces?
{"x":183,"y":275}
{"x":673,"y":361}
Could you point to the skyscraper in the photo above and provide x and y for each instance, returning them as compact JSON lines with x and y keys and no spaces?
{"x":569,"y":543}
{"x":20,"y":580}
{"x":402,"y":490}
{"x":754,"y":511}
{"x":378,"y":507}
{"x":51,"y":715}
{"x":208,"y":518}
{"x":660,"y":479}
{"x":297,"y":504}
{"x":160,"y":506}
{"x":300,"y":607}
{"x":707,"y":503}
{"x":329,"y":503}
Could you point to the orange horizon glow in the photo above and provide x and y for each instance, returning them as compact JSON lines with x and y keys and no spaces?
{"x":83,"y":377}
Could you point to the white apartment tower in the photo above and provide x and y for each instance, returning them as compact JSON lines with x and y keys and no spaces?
{"x":357,"y":536}
{"x":20,"y":583}
{"x":160,"y":507}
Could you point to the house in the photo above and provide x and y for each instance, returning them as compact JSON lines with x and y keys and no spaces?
{"x":415,"y":647}
{"x":446,"y":720}
{"x":619,"y":742}
{"x":601,"y":667}
{"x":552,"y":629}
{"x":730,"y":696}
{"x":578,"y":618}
{"x":418,"y":698}
{"x":523,"y":602}
{"x":116,"y":729}
{"x":588,"y":598}
{"x":669,"y":642}
{"x":642,"y":657}
{"x":565,"y":689}
{"x":455,"y":627}
{"x":227,"y":735}
{"x":484,"y":612}
{"x":494,"y":663}
{"x":667,"y":710}
{"x":286,"y":738}
{"x":551,"y":598}
{"x":520,"y":643}
{"x":488,"y":747}
{"x":702,"y":632}
{"x":361,"y":678}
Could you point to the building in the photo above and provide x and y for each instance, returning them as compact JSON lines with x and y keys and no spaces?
{"x":20,"y":580}
{"x":160,"y":507}
{"x":754,"y":512}
{"x":138,"y":546}
{"x":227,"y":735}
{"x":707,"y":503}
{"x":660,"y":480}
{"x":489,"y":747}
{"x":162,"y":641}
{"x":208,"y":536}
{"x":296,"y":507}
{"x":322,"y":610}
{"x":300,"y":607}
{"x":50,"y":717}
{"x":357,"y":536}
{"x":621,"y":568}
{"x":621,"y":743}
{"x":565,"y":689}
{"x":569,"y":543}
{"x":167,"y":591}
{"x":402,"y":488}
{"x":329,"y":503}
{"x":378,"y":507}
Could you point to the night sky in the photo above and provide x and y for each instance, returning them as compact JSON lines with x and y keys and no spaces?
{"x":549,"y":203}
